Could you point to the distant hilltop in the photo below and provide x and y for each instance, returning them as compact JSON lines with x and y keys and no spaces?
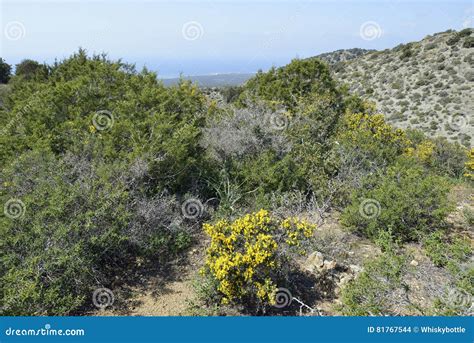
{"x":342,"y":55}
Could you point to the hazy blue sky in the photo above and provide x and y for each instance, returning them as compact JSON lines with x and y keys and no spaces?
{"x":202,"y":37}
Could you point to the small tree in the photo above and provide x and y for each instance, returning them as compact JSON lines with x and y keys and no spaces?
{"x":5,"y":71}
{"x":29,"y":69}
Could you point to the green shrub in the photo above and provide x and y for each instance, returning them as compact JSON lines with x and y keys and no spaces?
{"x":5,"y":71}
{"x":371,"y":134}
{"x":107,"y":108}
{"x":68,"y":240}
{"x":453,"y":39}
{"x":288,"y":84}
{"x":448,"y":158}
{"x":468,"y":42}
{"x":406,"y":52}
{"x":370,"y":293}
{"x":407,"y":200}
{"x":80,"y":228}
{"x":444,"y":251}
{"x":99,"y":154}
{"x":29,"y":70}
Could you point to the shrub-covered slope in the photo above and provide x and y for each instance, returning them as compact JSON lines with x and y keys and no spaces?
{"x":428,"y":85}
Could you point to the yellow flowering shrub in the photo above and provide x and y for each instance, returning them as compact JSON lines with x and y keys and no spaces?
{"x":375,"y":127}
{"x":423,"y":151}
{"x":244,"y":255}
{"x":372,"y":135}
{"x":470,"y":165}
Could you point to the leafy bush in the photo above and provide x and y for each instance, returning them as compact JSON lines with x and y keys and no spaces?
{"x":29,"y":70}
{"x":440,"y":155}
{"x":445,"y":252}
{"x":252,"y":152}
{"x":100,"y":155}
{"x":468,"y":42}
{"x":79,"y":228}
{"x":5,"y":71}
{"x":107,"y":108}
{"x":370,"y":133}
{"x":448,"y":158}
{"x":370,"y":293}
{"x":53,"y":258}
{"x":406,"y":200}
{"x":246,"y":256}
{"x":406,"y":52}
{"x":469,"y":166}
{"x":288,"y":84}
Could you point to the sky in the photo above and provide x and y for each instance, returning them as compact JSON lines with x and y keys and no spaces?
{"x":198,"y":37}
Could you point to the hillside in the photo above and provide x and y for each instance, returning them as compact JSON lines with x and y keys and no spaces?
{"x":342,"y":55}
{"x":427,"y":85}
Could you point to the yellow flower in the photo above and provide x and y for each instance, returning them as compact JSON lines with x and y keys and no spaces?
{"x":470,"y":165}
{"x":242,"y":253}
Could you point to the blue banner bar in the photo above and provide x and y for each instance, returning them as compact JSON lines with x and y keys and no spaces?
{"x":237,"y":329}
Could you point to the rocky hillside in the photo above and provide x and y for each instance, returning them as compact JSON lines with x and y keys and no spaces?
{"x":342,"y":55}
{"x":427,"y":85}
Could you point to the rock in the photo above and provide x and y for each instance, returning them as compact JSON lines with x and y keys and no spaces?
{"x":314,"y":262}
{"x":355,"y":269}
{"x":329,"y":265}
{"x":414,"y":263}
{"x":345,"y":278}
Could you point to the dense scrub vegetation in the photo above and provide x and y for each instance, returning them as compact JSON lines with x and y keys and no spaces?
{"x":105,"y":169}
